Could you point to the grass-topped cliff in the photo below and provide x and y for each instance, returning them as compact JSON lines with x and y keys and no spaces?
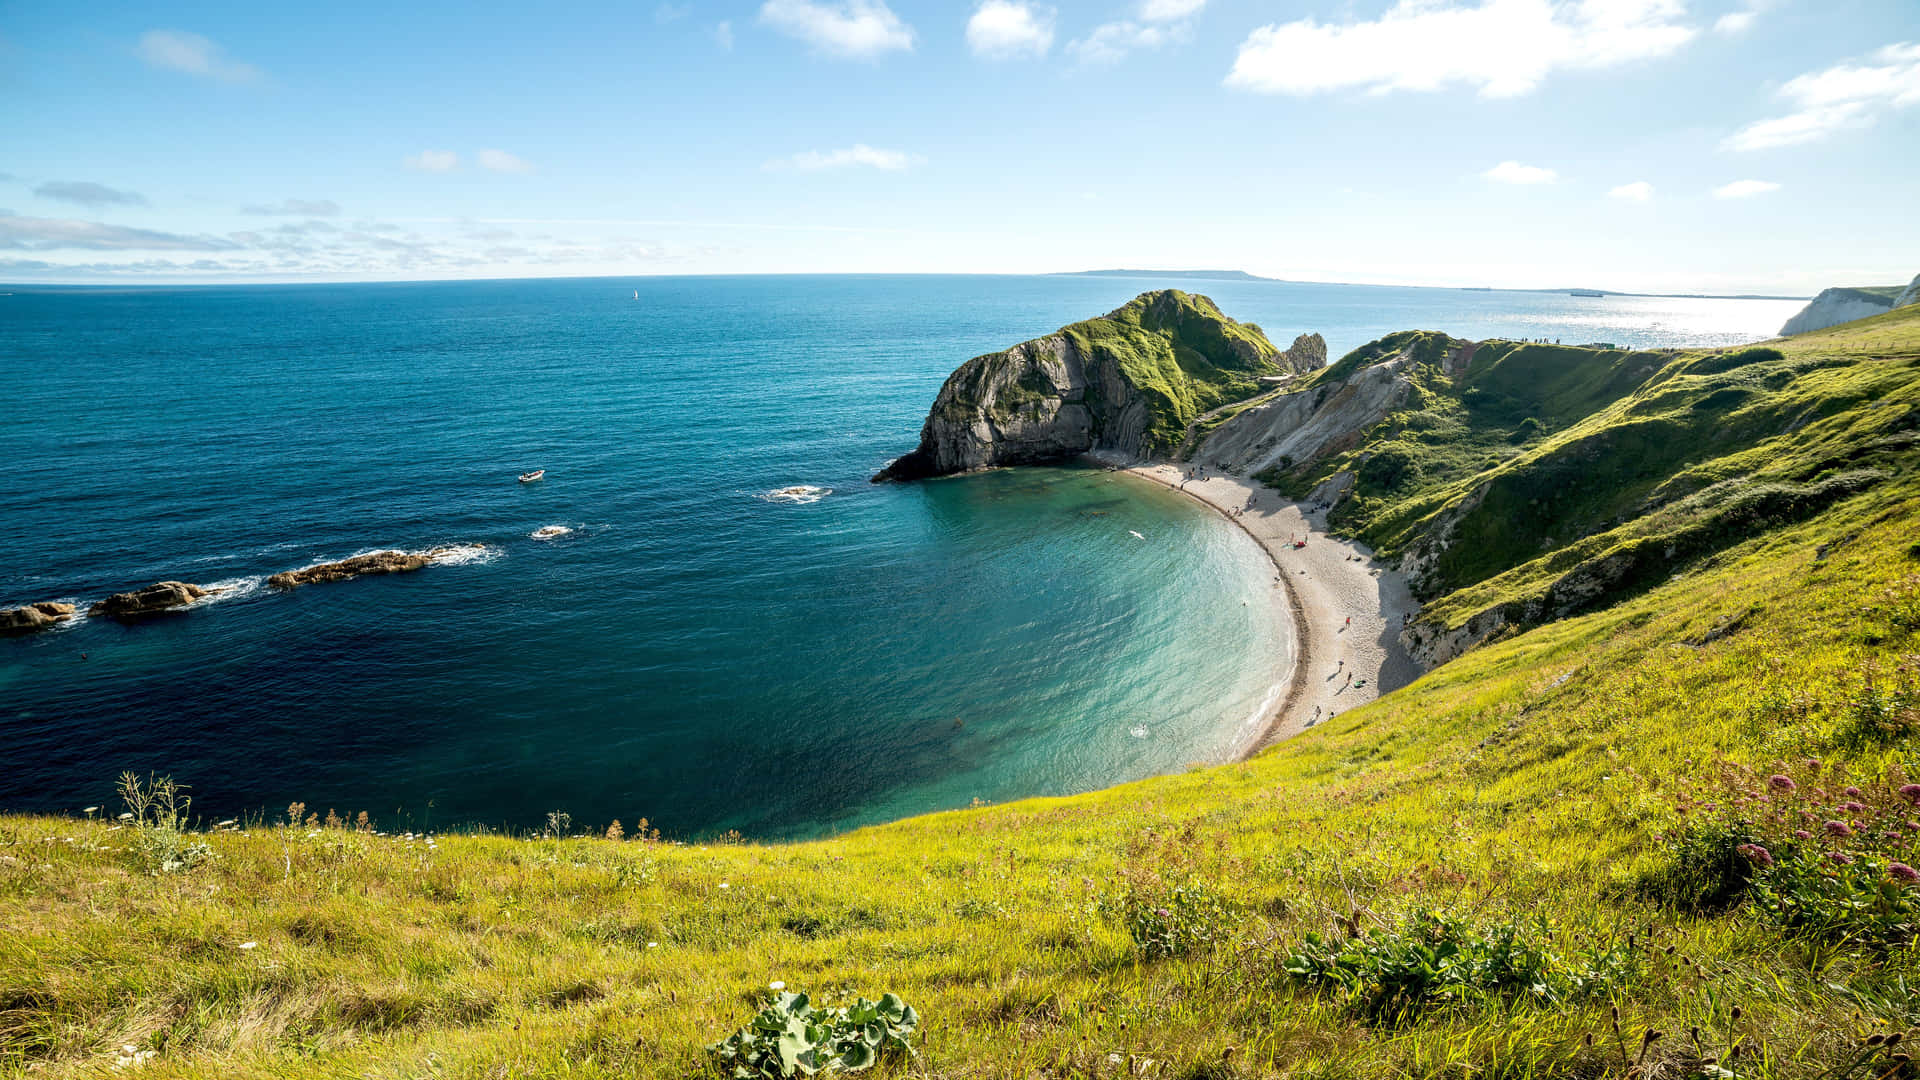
{"x":1129,"y":381}
{"x":1668,"y":836}
{"x":1522,"y":482}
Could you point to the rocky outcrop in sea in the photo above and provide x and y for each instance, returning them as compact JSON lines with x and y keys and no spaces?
{"x":378,"y":562}
{"x":155,"y":599}
{"x":31,"y":618}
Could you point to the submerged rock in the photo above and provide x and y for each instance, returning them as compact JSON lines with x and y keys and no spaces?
{"x":152,"y":600}
{"x":33,"y":617}
{"x":378,"y":562}
{"x":1128,"y":382}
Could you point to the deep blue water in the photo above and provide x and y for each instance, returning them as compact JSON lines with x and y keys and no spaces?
{"x":694,"y":651}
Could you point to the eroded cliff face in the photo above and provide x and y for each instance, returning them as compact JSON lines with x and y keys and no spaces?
{"x":1833,"y":307}
{"x":1127,"y":383}
{"x":1302,"y":427}
{"x":1909,"y":295}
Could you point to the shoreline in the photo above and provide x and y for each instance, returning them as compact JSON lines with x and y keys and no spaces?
{"x":1346,"y":607}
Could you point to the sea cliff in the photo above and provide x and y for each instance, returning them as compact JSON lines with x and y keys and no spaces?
{"x":1128,"y":382}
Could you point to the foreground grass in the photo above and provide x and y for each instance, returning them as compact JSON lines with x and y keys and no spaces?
{"x":1530,"y":789}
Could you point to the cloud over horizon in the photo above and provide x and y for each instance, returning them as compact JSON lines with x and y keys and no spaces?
{"x":294,"y":208}
{"x":434,"y":161}
{"x":1501,"y":48}
{"x":179,"y":50}
{"x":1846,"y":95}
{"x":859,"y":154}
{"x":88,"y":193}
{"x":1512,"y":172}
{"x":857,"y":29}
{"x":502,"y":161}
{"x":1744,"y":189}
{"x":19,"y":233}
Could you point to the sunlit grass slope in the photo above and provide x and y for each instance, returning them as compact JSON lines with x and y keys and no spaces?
{"x":1545,"y":858}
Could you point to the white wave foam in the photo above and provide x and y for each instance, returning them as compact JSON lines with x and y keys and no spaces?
{"x":798,"y":494}
{"x":551,"y":532}
{"x":1139,"y":732}
{"x":462,"y":554}
{"x":228,"y":589}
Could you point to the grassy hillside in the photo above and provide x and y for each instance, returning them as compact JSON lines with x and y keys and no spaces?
{"x":1564,"y":478}
{"x":1571,"y":852}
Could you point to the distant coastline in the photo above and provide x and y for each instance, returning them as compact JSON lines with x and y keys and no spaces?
{"x":1242,"y":275}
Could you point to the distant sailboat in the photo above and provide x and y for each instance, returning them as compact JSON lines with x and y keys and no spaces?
{"x":636,"y":294}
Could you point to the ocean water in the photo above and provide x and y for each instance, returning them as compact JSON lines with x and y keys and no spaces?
{"x":697,"y":648}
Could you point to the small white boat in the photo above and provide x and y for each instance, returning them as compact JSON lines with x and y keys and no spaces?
{"x":530,"y":477}
{"x":636,"y":294}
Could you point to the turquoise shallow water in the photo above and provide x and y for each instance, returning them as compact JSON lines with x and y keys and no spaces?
{"x":694,"y":651}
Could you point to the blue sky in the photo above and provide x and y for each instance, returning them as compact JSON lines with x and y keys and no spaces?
{"x":1684,"y":145}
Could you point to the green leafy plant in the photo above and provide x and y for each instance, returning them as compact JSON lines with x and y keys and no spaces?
{"x":1434,"y":958}
{"x":157,"y":812}
{"x":791,"y":1037}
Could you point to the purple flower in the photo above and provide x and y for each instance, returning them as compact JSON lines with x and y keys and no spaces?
{"x":1853,"y":791}
{"x":1853,"y":807}
{"x":1756,"y":855}
{"x":1838,"y":828}
{"x":1802,"y":834}
{"x":1911,"y":793}
{"x":1903,"y":873}
{"x":1163,"y":913}
{"x":1840,"y":858}
{"x":1812,"y":763}
{"x":1781,"y":783}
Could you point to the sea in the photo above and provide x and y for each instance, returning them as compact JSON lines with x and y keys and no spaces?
{"x":703,"y":615}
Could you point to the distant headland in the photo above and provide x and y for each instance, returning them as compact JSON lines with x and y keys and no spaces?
{"x":1242,"y":275}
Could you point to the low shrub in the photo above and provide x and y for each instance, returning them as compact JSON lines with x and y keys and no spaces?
{"x":1434,"y":958}
{"x":1814,"y":853}
{"x":157,"y":812}
{"x":792,"y":1037}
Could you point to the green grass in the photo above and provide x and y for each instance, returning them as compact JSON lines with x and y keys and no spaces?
{"x":1182,"y":354}
{"x":1471,"y":852}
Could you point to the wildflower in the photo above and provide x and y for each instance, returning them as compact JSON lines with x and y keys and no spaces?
{"x":1903,"y":873}
{"x":1838,"y":828}
{"x":1757,"y":855}
{"x":1163,"y":913}
{"x":1812,"y":763}
{"x":1840,"y":858}
{"x":1780,"y":782}
{"x":1853,"y":791}
{"x":1802,"y":834}
{"x":653,"y":944}
{"x":724,"y":885}
{"x":90,"y":810}
{"x":249,"y":945}
{"x":1853,"y":807}
{"x":1911,"y":793}
{"x":776,"y":985}
{"x":126,"y":817}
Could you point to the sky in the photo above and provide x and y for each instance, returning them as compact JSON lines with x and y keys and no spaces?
{"x":1718,"y":146}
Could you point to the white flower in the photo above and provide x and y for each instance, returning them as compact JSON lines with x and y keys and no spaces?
{"x":724,"y":885}
{"x":653,"y":944}
{"x":126,"y":817}
{"x":249,"y":945}
{"x":90,"y":810}
{"x":776,"y":985}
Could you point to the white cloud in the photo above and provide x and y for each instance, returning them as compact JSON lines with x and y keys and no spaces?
{"x":1006,"y":29}
{"x":88,"y":193}
{"x":1504,"y":48}
{"x":1170,"y":10}
{"x":1847,"y":95}
{"x":501,"y":161}
{"x":1111,"y":42}
{"x":855,"y":28}
{"x":1744,"y":189}
{"x":1735,"y":22}
{"x":63,"y":234}
{"x":178,"y":50}
{"x":295,"y":208}
{"x":1512,"y":172}
{"x":434,"y":161}
{"x":1638,"y":191}
{"x":723,"y":34}
{"x":857,"y":154}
